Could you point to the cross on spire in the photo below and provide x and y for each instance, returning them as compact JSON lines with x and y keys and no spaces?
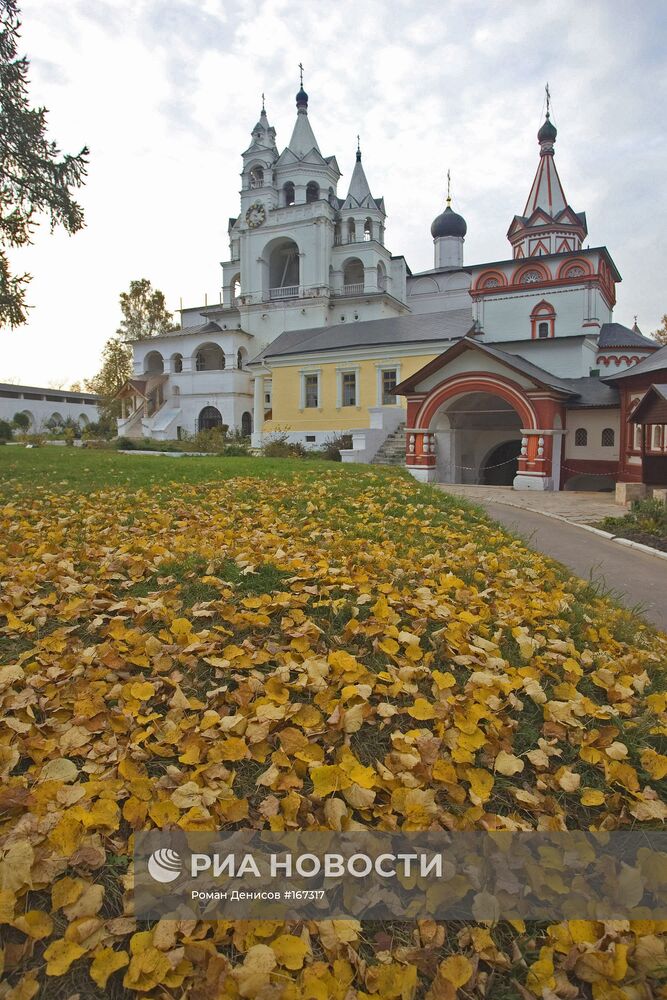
{"x":548,"y":93}
{"x":449,"y":188}
{"x":301,"y":73}
{"x":263,"y":107}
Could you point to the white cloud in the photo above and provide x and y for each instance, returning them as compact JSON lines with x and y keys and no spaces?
{"x":165,"y":94}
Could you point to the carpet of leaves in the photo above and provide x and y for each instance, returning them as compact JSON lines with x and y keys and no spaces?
{"x":358,"y":653}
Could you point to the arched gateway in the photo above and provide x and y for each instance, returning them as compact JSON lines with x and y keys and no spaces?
{"x":479,"y":415}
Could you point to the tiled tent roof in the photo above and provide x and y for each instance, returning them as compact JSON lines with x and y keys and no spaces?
{"x":617,"y":335}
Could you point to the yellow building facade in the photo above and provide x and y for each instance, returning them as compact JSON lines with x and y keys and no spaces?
{"x":290,"y":410}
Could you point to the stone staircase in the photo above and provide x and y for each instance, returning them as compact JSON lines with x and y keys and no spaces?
{"x":392,"y":450}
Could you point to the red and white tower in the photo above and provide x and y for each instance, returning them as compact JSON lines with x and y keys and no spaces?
{"x":548,"y":224}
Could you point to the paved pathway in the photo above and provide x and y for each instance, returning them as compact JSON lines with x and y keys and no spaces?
{"x":581,"y":508}
{"x":635,"y":577}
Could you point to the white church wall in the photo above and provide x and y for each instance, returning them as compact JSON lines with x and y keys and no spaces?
{"x":507,"y":317}
{"x":439,"y":292}
{"x":593,"y":421}
{"x":566,"y":357}
{"x":42,"y":405}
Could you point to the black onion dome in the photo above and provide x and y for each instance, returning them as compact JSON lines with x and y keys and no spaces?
{"x":301,"y":97}
{"x":449,"y":224}
{"x":548,"y":131}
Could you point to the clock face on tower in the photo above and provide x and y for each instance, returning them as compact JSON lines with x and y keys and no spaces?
{"x":255,"y":215}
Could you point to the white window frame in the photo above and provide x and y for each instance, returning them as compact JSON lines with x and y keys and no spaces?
{"x":305,"y":372}
{"x":380,"y":369}
{"x":347,"y":370}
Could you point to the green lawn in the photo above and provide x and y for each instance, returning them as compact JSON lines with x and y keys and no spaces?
{"x":88,"y":470}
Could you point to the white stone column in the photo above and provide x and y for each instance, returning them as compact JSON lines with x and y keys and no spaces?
{"x":258,"y":412}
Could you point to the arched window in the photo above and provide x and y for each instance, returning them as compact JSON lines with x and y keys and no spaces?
{"x":530,"y":277}
{"x":288,"y":191}
{"x":353,"y":276}
{"x":177,"y":363}
{"x":234,"y":289}
{"x":338,"y":237}
{"x":210,"y":358}
{"x":368,"y":230}
{"x":209,"y":418}
{"x":312,"y":192}
{"x":351,"y":231}
{"x":283,"y":269}
{"x":543,"y":321}
{"x":246,"y":424}
{"x":241,"y":357}
{"x":256,"y":177}
{"x":154,"y":363}
{"x":607,"y":438}
{"x":581,"y":437}
{"x":382,"y":277}
{"x":332,"y":197}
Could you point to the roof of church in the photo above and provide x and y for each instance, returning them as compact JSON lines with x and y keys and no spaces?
{"x":617,"y":335}
{"x":590,"y":393}
{"x":62,"y":394}
{"x":412,"y":329}
{"x":654,"y":363}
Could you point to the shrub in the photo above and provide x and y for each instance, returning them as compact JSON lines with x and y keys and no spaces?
{"x":124,"y":444}
{"x":6,"y":433}
{"x":279,"y":446}
{"x":211,"y":440}
{"x":70,"y":435}
{"x":331,"y":449}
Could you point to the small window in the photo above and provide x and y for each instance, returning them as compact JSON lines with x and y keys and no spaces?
{"x":310,"y":438}
{"x":388,"y":386}
{"x":288,"y":190}
{"x":349,"y":389}
{"x":637,"y":437}
{"x":581,"y":437}
{"x":312,"y":192}
{"x":368,"y":230}
{"x":178,"y":363}
{"x":239,"y":358}
{"x":607,"y":439}
{"x":543,"y":331}
{"x":656,"y":437}
{"x":311,"y":387}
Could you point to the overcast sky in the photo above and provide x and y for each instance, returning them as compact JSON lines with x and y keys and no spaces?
{"x":165,"y":92}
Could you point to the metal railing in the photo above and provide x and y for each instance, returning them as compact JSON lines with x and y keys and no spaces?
{"x":286,"y":292}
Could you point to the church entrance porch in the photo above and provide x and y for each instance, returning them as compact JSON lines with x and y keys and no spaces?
{"x":477,"y":440}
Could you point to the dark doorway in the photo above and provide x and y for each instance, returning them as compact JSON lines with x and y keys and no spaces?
{"x":500,"y":465}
